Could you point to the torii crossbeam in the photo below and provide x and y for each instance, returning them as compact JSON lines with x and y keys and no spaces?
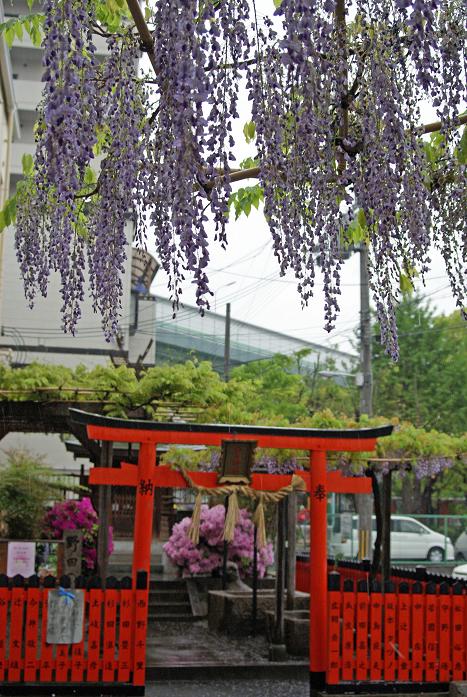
{"x":145,"y":476}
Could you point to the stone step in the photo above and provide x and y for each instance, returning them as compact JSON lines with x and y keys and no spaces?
{"x":165,"y":596}
{"x":171,"y":617}
{"x":168,"y":584}
{"x":170,"y":608}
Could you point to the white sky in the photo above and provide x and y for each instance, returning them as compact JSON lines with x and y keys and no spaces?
{"x":246,"y":274}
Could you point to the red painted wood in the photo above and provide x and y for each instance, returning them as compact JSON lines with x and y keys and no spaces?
{"x":96,"y":598}
{"x":334,"y":654}
{"x":431,"y":639}
{"x":18,"y":596}
{"x":348,"y":625}
{"x":389,"y":634}
{"x":362,"y":636}
{"x":46,"y":657}
{"x":78,"y":661}
{"x":339,"y":484}
{"x":318,"y":562}
{"x":302,"y":576}
{"x":459,"y":637}
{"x":110,"y":634}
{"x":5,"y":599}
{"x":125,"y":635}
{"x":142,"y":537}
{"x":444,"y":634}
{"x":62,"y":662}
{"x":139,"y":634}
{"x":129,"y":435}
{"x":376,"y":634}
{"x":33,"y":602}
{"x":404,"y":609}
{"x":418,"y":648}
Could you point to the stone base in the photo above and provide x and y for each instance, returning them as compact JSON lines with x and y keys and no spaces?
{"x":277,"y":653}
{"x":296,"y":631}
{"x":458,"y":689}
{"x":230,"y":611}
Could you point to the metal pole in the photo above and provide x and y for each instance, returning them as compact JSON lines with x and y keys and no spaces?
{"x":227,"y":343}
{"x":105,"y":511}
{"x":291,"y":548}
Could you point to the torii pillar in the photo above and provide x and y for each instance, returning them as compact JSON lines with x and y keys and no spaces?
{"x":146,"y":476}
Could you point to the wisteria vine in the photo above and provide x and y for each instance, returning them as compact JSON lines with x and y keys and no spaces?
{"x":335,"y":88}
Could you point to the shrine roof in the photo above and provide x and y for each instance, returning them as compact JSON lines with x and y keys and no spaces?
{"x":103,"y":427}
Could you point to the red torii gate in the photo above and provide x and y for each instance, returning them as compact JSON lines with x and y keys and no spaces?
{"x":145,"y":476}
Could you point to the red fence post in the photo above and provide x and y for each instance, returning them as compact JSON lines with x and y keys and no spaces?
{"x":16,"y":629}
{"x":418,"y":610}
{"x":390,"y":660}
{"x":348,"y":624}
{"x":125,"y":630}
{"x":140,"y":628}
{"x":110,"y":629}
{"x":46,"y":659}
{"x":5,"y":597}
{"x":376,"y":632}
{"x":77,"y":650}
{"x":403,"y":631}
{"x":33,"y":602}
{"x":95,"y":598}
{"x":459,"y":633}
{"x":444,"y":632}
{"x":362,"y":630}
{"x":431,"y":634}
{"x":318,"y":570}
{"x":334,"y":616}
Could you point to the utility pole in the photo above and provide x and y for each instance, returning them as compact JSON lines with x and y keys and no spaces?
{"x":227,"y":343}
{"x":364,"y":503}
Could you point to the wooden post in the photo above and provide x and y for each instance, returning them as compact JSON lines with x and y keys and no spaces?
{"x":291,"y":548}
{"x":142,"y":538}
{"x":386,"y":533}
{"x":105,"y":513}
{"x":318,"y":570}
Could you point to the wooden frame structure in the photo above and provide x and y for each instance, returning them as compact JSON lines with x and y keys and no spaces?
{"x":145,"y":476}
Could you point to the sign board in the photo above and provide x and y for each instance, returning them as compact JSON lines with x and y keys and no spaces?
{"x":73,"y":552}
{"x":21,"y":558}
{"x":65,"y":615}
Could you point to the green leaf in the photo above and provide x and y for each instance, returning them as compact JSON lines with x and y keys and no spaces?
{"x":277,"y":3}
{"x":28,"y":163}
{"x":405,"y":283}
{"x":89,"y":176}
{"x":19,"y":30}
{"x":2,"y":221}
{"x":10,"y":34}
{"x":249,"y":131}
{"x":30,"y":3}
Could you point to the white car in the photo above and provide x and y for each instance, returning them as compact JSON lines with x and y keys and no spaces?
{"x":460,"y":572}
{"x":410,"y":539}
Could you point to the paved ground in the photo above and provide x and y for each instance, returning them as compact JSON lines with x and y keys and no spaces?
{"x":192,"y":644}
{"x":231,"y":688}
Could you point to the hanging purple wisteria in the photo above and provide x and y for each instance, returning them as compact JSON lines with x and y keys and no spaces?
{"x":335,"y":88}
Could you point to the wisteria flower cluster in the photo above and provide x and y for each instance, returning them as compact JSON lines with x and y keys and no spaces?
{"x":77,"y":515}
{"x":335,"y":88}
{"x":207,"y":556}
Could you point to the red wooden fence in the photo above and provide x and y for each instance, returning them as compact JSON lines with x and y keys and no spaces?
{"x":409,"y":634}
{"x":114,"y":635}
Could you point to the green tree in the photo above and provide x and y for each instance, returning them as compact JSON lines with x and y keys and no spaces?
{"x":427,"y":385}
{"x":27,"y":485}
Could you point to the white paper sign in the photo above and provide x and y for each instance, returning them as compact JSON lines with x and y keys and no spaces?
{"x":65,"y":616}
{"x":21,"y":558}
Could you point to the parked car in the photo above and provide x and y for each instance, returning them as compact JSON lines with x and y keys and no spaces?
{"x":410,"y":539}
{"x":460,"y":547}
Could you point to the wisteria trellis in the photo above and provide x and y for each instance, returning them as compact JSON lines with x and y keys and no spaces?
{"x":335,"y":88}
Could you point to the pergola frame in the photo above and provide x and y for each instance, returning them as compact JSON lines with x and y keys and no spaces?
{"x":145,"y":476}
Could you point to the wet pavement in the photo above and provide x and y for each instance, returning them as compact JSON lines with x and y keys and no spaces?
{"x":184,"y":644}
{"x":231,"y":688}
